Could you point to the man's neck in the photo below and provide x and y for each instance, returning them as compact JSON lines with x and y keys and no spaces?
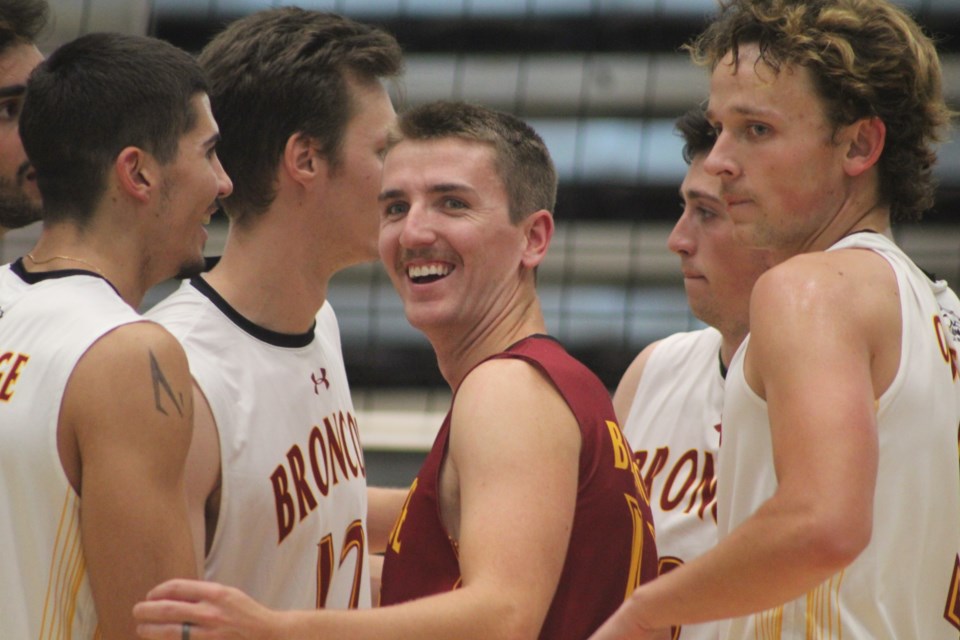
{"x":271,"y":280}
{"x":460,"y":349}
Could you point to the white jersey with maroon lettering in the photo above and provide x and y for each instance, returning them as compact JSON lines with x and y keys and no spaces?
{"x":292,"y":523}
{"x":48,"y":322}
{"x":905,"y":583}
{"x":673,"y":428}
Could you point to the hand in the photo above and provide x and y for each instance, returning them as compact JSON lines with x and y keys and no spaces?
{"x":215,"y":612}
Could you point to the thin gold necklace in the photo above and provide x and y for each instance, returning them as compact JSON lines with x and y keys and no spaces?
{"x":80,"y":260}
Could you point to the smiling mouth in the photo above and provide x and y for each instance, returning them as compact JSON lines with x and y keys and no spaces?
{"x":427,"y":273}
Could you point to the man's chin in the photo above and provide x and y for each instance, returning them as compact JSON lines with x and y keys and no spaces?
{"x":192,"y":268}
{"x":15,"y":214}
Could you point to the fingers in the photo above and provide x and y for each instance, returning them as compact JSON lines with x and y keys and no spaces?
{"x":187,"y":590}
{"x":152,"y":631}
{"x":165,"y":612}
{"x":171,"y":604}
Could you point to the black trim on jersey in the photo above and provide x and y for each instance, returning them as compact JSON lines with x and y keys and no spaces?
{"x":277,"y":339}
{"x":34,"y":277}
{"x":723,"y":367}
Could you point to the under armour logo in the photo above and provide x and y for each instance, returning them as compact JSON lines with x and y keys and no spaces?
{"x":317,"y":381}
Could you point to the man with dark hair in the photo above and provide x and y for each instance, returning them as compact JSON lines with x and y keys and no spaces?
{"x":278,"y":495}
{"x":95,"y":403}
{"x":669,"y":400}
{"x":838,"y":495}
{"x":528,"y":518}
{"x":20,"y":23}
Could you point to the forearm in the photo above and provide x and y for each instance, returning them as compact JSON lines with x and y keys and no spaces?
{"x":773,"y":557}
{"x":458,"y":614}
{"x":154,"y":546}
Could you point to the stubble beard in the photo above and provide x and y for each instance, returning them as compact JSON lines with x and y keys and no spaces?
{"x":17,"y":209}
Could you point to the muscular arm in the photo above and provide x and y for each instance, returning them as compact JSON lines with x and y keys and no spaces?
{"x":824,"y":343}
{"x":124,"y":430}
{"x":514,"y":454}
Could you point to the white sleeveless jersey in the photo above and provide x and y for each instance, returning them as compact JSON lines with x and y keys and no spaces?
{"x":292,"y":522}
{"x":47,"y":322}
{"x":673,"y":428}
{"x":905,"y":583}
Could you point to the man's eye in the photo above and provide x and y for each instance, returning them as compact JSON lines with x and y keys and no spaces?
{"x":395,"y":208}
{"x":10,"y":109}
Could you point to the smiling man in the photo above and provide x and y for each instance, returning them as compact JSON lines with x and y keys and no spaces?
{"x":95,"y":407}
{"x":528,"y":518}
{"x":20,"y":23}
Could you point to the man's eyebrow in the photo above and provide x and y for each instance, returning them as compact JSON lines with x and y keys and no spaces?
{"x":447,"y":187}
{"x":697,"y":194}
{"x":12,"y":90}
{"x":443,"y":187}
{"x":390,"y":194}
{"x":743,"y":110}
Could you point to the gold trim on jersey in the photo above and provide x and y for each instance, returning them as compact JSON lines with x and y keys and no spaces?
{"x":67,"y":571}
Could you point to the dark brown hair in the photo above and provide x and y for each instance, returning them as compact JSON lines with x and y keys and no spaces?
{"x":284,"y":71}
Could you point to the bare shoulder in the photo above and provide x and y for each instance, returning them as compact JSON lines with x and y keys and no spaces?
{"x":842,"y":306}
{"x":505,"y":382}
{"x":510,"y":398}
{"x":136,"y":372}
{"x":131,"y":340}
{"x":846,"y":285}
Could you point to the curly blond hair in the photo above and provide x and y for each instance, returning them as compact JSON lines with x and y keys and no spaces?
{"x":867,"y":58}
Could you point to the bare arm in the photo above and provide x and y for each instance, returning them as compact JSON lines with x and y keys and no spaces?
{"x":627,"y":388}
{"x":822,"y":335}
{"x":513,"y":534}
{"x":124,"y":430}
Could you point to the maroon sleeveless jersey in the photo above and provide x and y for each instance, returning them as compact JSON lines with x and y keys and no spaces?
{"x":612,"y":548}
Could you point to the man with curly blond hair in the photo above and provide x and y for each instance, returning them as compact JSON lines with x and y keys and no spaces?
{"x":838,"y":489}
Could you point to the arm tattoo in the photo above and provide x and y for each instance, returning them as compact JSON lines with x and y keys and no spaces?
{"x":160,"y":384}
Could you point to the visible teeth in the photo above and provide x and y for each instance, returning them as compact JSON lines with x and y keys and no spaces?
{"x":425,"y":270}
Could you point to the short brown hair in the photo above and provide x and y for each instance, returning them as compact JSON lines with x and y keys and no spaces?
{"x":284,"y":71}
{"x":522,"y":159}
{"x":867,"y":58}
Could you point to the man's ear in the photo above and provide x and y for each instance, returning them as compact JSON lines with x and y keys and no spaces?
{"x":865,"y":139}
{"x":137,"y":173}
{"x":538,"y":231}
{"x":302,"y":160}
